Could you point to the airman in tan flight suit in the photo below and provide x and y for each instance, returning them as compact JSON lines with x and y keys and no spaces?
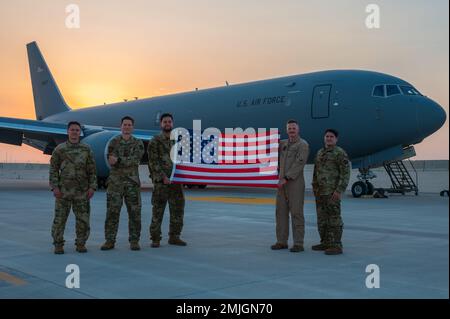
{"x":292,"y":155}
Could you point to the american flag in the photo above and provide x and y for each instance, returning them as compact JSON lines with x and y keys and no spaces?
{"x":249,"y":160}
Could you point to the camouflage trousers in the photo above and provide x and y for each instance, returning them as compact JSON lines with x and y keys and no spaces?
{"x":329,"y":221}
{"x":81,"y":209}
{"x":162,"y":194}
{"x":116,"y":194}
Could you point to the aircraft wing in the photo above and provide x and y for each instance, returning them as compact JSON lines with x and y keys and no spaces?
{"x":45,"y":135}
{"x":145,"y":135}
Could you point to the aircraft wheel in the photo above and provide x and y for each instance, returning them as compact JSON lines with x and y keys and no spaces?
{"x":202,"y":186}
{"x":370,"y":188}
{"x":359,"y":189}
{"x":444,"y":193}
{"x":189,"y":185}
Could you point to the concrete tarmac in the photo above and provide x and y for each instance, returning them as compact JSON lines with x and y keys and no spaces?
{"x":229,"y":232}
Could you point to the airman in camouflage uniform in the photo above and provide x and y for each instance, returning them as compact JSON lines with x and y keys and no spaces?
{"x":73,"y":181}
{"x":160,"y":166}
{"x":124,"y":155}
{"x":330,"y":180}
{"x":293,"y":155}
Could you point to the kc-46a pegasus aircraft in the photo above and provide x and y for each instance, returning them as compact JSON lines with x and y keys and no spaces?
{"x":379,"y":117}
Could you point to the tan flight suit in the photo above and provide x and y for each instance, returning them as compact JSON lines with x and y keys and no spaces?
{"x":290,"y":197}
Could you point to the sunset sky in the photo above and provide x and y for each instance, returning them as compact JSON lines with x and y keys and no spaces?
{"x":146,"y":48}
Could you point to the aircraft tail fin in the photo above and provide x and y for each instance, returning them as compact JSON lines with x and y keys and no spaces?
{"x":47,"y":97}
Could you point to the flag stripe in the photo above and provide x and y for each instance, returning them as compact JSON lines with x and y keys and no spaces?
{"x":227,"y":183}
{"x":243,"y":151}
{"x":227,"y":178}
{"x":243,"y":158}
{"x":231,"y":148}
{"x":231,"y":139}
{"x":263,"y":135}
{"x":234,"y":143}
{"x":231,"y":169}
{"x":206,"y":181}
{"x":240,"y":174}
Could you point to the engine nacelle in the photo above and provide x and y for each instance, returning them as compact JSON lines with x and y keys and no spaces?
{"x":99,"y":143}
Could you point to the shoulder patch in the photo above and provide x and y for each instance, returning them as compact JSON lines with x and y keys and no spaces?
{"x":85,"y":146}
{"x":304,"y":141}
{"x":341,"y":150}
{"x":60,"y":146}
{"x":115,"y":139}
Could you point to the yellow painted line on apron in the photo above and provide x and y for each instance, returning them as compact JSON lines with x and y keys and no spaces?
{"x":11,"y":279}
{"x":238,"y":200}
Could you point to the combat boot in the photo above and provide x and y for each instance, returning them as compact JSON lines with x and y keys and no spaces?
{"x":107,"y":245}
{"x":279,"y":246}
{"x":319,"y":247}
{"x":333,"y":251}
{"x":155,"y":244}
{"x":175,"y":240}
{"x":134,"y":245}
{"x":296,"y":249}
{"x":81,"y":248}
{"x":59,"y":249}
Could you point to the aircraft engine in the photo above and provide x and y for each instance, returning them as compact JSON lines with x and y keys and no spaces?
{"x":99,"y":144}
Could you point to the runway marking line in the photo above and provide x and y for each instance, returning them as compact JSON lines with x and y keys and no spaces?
{"x":12,"y":279}
{"x":238,"y":200}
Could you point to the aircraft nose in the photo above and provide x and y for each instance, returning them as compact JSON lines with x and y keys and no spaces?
{"x":431,"y":117}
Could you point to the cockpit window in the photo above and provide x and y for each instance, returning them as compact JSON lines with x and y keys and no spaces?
{"x":409,"y":90}
{"x":378,"y":91}
{"x":387,"y":90}
{"x":392,"y":90}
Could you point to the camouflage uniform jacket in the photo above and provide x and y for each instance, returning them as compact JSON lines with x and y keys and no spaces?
{"x":159,"y":162}
{"x":72,"y":169}
{"x":129,"y":154}
{"x":331,"y":171}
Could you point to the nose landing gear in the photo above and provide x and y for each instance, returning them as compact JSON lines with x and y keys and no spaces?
{"x":401,"y":180}
{"x":363,"y":186}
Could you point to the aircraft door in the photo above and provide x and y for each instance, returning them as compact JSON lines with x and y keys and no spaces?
{"x":320,"y":107}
